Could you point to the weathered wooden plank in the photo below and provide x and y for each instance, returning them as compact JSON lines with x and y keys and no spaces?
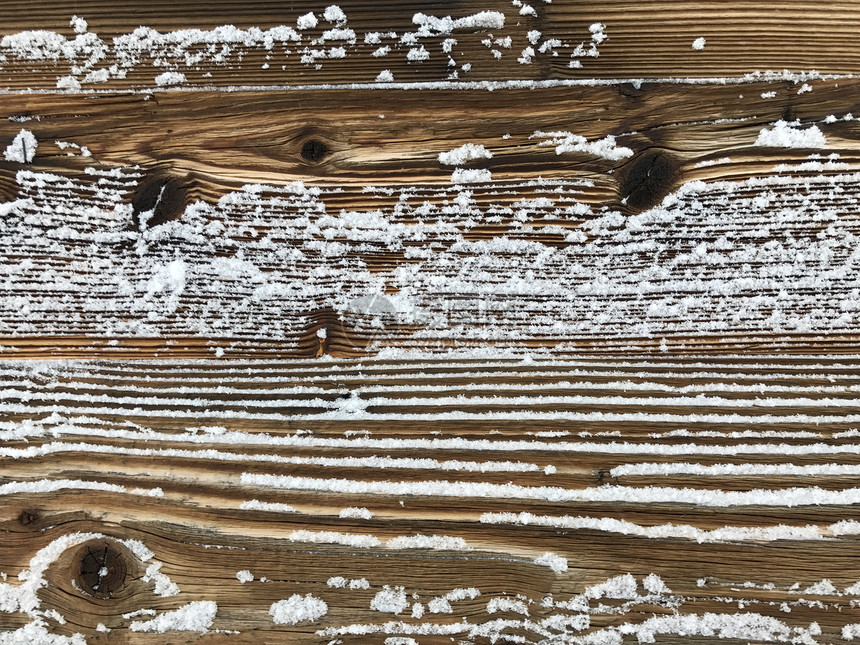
{"x":131,"y":45}
{"x":683,"y":498}
{"x":202,"y":229}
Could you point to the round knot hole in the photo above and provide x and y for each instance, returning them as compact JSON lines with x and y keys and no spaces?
{"x":103,"y":570}
{"x":314,"y":150}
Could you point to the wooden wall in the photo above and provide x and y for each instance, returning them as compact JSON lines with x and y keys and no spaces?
{"x":278,"y":368}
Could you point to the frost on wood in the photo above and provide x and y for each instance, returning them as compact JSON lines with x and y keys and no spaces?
{"x":785,"y":134}
{"x":56,"y":406}
{"x":298,"y":609}
{"x":22,"y":149}
{"x":605,"y":148}
{"x":466,"y":152}
{"x":390,"y":600}
{"x":188,"y":57}
{"x":555,"y":562}
{"x":196,"y":616}
{"x":768,"y":255}
{"x":24,"y":597}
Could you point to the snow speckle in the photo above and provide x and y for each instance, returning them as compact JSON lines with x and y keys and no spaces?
{"x":23,"y":147}
{"x":307,"y":21}
{"x":699,"y":44}
{"x":598,"y":32}
{"x":390,"y":600}
{"x":298,"y":609}
{"x":244,"y":576}
{"x":504,"y":603}
{"x":786,"y":134}
{"x":605,"y":148}
{"x":480,"y":20}
{"x":435,"y":542}
{"x":333,"y":13}
{"x":555,"y":562}
{"x":194,"y":617}
{"x":78,"y":24}
{"x":170,"y":78}
{"x":257,"y":505}
{"x":465,"y":153}
{"x":654,"y":584}
{"x":471,"y":176}
{"x":385,"y":76}
{"x":417,"y":54}
{"x":164,"y":586}
{"x":356,"y":513}
{"x":768,"y":95}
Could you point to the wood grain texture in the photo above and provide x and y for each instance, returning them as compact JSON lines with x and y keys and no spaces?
{"x":429,"y":323}
{"x":539,"y":457}
{"x":705,"y":237}
{"x":642,"y":40}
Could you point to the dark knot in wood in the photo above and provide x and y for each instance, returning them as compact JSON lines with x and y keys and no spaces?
{"x":103,"y":570}
{"x":160,"y":199}
{"x":648,"y":179}
{"x":27,"y":517}
{"x":314,"y":150}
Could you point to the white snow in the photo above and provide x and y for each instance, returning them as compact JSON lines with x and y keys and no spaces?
{"x":244,"y":576}
{"x":196,"y":616}
{"x":355,"y":512}
{"x":306,"y":21}
{"x":390,"y":600}
{"x":78,"y":24}
{"x":257,"y":505}
{"x":605,"y":148}
{"x":786,"y":134}
{"x":480,"y":20}
{"x":361,"y":541}
{"x":385,"y":76}
{"x":785,"y":497}
{"x":23,"y":147}
{"x":170,"y":78}
{"x":471,"y":176}
{"x":699,"y":43}
{"x":504,"y":603}
{"x":333,"y":13}
{"x":465,"y":153}
{"x":435,"y":542}
{"x":555,"y":562}
{"x":298,"y":609}
{"x":163,"y":585}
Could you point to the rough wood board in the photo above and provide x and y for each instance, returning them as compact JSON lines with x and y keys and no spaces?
{"x":556,"y":446}
{"x":616,"y":399}
{"x":642,"y":40}
{"x":671,"y":226}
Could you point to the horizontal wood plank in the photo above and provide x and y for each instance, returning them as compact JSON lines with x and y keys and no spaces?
{"x":132,"y":45}
{"x":420,"y":499}
{"x":202,"y":230}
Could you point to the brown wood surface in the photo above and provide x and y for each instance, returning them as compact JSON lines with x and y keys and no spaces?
{"x":123,"y":424}
{"x":234,"y":307}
